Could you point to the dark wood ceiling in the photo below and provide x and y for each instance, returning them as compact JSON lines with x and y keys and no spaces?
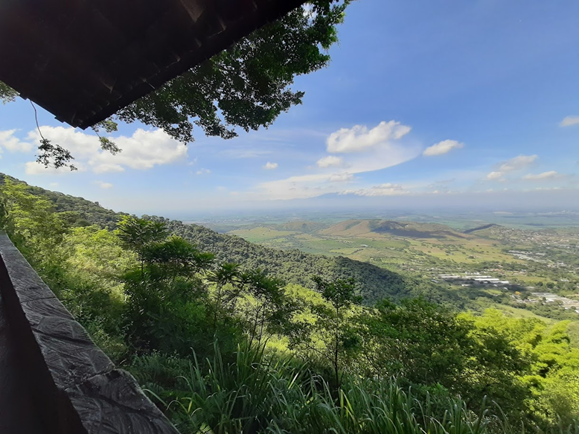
{"x":83,"y":60}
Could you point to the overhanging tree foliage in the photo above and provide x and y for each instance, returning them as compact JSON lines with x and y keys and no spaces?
{"x":7,"y":94}
{"x":245,"y":86}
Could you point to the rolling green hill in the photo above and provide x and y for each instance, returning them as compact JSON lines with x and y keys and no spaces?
{"x":360,"y":228}
{"x":480,"y":228}
{"x":90,"y":212}
{"x":302,"y":226}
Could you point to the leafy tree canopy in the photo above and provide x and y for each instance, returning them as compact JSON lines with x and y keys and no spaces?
{"x":245,"y":86}
{"x":7,"y":94}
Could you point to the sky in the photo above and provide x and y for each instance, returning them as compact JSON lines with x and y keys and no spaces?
{"x":440,"y":103}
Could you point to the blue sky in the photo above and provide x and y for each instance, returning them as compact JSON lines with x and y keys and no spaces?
{"x":429,"y":102}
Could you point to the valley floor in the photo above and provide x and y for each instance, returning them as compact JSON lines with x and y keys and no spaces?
{"x":522,"y":265}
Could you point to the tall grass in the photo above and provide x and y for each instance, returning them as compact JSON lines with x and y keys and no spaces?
{"x":259,"y":393}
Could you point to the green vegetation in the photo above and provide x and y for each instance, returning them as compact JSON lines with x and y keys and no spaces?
{"x":226,"y":339}
{"x":7,"y":94}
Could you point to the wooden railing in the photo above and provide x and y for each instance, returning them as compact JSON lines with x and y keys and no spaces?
{"x":74,"y":387}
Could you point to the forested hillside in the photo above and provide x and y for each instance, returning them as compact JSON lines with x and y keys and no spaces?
{"x":293,"y":266}
{"x":89,"y":212}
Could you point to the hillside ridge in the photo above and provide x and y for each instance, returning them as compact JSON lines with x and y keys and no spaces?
{"x":294,"y":266}
{"x":402,"y":229}
{"x":480,"y":228}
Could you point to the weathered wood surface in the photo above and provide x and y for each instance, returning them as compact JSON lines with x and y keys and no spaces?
{"x":74,"y":386}
{"x":18,"y":413}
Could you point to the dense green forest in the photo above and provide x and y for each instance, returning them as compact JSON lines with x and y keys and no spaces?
{"x":230,"y":337}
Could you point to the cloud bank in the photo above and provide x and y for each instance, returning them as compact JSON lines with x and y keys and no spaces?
{"x":365,"y":150}
{"x":9,"y":142}
{"x":387,"y":189}
{"x":513,"y":165}
{"x":141,"y":151}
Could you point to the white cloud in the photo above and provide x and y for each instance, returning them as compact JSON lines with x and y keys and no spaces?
{"x":569,"y":121}
{"x":517,"y":163}
{"x":53,"y":184}
{"x":341,"y":177}
{"x":293,"y":187}
{"x":105,"y":185}
{"x":108,"y":168}
{"x":203,"y":172}
{"x":514,"y":164}
{"x":360,"y":138}
{"x":13,"y":144}
{"x":330,"y":161}
{"x":34,"y":168}
{"x":245,"y":153}
{"x":443,"y":147}
{"x":387,"y":189}
{"x":495,"y":175}
{"x":144,"y":150}
{"x":270,"y":166}
{"x":141,"y":151}
{"x":542,"y":176}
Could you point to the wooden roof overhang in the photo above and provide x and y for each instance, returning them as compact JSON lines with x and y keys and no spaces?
{"x":83,"y":60}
